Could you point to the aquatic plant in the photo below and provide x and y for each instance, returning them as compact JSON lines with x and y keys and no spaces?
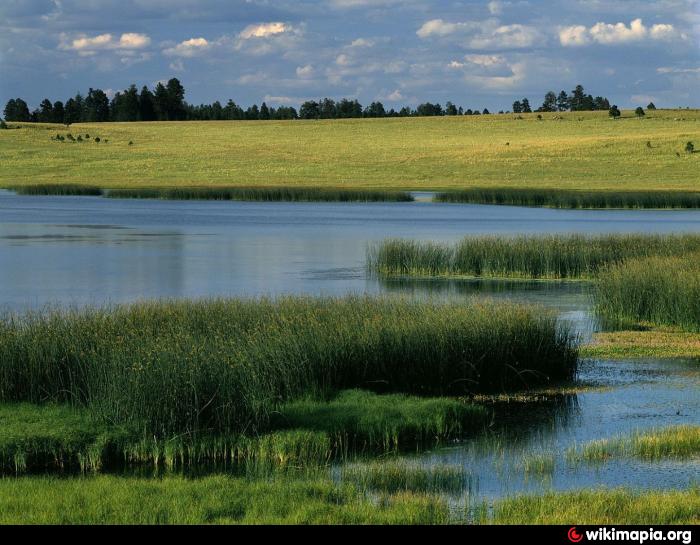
{"x":558,"y":198}
{"x":222,"y":366}
{"x":57,"y":189}
{"x":298,"y":194}
{"x":655,"y":290}
{"x":525,"y":256}
{"x":679,"y":442}
{"x":393,"y":476}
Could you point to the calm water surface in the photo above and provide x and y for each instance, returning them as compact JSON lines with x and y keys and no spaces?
{"x":92,"y":250}
{"x":85,"y":250}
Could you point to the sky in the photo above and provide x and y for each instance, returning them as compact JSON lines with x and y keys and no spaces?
{"x":475,"y":53}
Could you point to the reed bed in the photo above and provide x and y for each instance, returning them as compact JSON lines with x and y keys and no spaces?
{"x":566,"y":256}
{"x":676,"y":442}
{"x":64,"y":190}
{"x":291,"y":194}
{"x":657,"y":291}
{"x":220,"y":366}
{"x":401,"y":476}
{"x":557,"y":198}
{"x":362,"y":421}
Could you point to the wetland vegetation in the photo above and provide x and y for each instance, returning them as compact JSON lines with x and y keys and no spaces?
{"x":566,"y":256}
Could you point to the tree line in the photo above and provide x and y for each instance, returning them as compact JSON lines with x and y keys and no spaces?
{"x":166,"y":102}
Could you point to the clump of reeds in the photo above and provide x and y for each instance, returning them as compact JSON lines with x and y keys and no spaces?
{"x":655,"y":290}
{"x":399,"y":476}
{"x":679,"y":442}
{"x":58,"y":189}
{"x":531,"y":256}
{"x":224,"y":366}
{"x":359,"y":420}
{"x":294,"y":194}
{"x":559,"y":198}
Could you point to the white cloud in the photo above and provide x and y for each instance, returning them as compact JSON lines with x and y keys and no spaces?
{"x":618,"y":33}
{"x":343,"y":60}
{"x":188,"y":48}
{"x":606,"y":33}
{"x":305,"y":71}
{"x":574,"y":35}
{"x":133,"y":40}
{"x":506,"y":37}
{"x":671,"y":70}
{"x":362,"y":42}
{"x":438,"y":27}
{"x":263,"y":30}
{"x":87,"y":44}
{"x":487,"y":34}
{"x":495,"y":7}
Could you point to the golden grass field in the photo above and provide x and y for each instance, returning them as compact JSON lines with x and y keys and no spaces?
{"x":566,"y":151}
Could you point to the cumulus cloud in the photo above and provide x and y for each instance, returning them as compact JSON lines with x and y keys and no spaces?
{"x":188,"y":48}
{"x":488,"y":34}
{"x":86,"y":44}
{"x":263,"y":30}
{"x":618,"y":33}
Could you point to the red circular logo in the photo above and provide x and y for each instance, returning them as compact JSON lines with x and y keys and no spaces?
{"x":574,"y":536}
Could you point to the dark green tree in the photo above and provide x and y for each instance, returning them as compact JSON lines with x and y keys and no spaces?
{"x":614,"y":112}
{"x":563,"y":102}
{"x":147,"y":106}
{"x":59,"y":112}
{"x":264,"y":112}
{"x":16,"y":109}
{"x":639,"y":112}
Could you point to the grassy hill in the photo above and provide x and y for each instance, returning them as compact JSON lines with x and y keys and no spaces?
{"x":578,"y":151}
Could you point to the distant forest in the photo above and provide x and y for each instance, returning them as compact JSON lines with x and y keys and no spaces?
{"x":166,"y":102}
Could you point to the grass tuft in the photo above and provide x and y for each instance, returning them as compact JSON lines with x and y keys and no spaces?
{"x":399,"y":476}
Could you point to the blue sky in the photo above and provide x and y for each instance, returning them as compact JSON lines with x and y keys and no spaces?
{"x":475,"y":53}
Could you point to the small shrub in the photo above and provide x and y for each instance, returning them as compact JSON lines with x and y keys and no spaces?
{"x":639,"y":112}
{"x":689,"y":147}
{"x":131,"y":142}
{"x":80,"y":138}
{"x":3,"y":125}
{"x":97,"y":139}
{"x":649,"y":144}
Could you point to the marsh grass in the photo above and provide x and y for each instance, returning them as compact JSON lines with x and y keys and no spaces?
{"x":557,"y":198}
{"x":676,"y":442}
{"x":597,"y":507}
{"x":215,"y":499}
{"x":394,"y":476}
{"x":293,"y":194}
{"x":570,"y":256}
{"x":653,"y":343}
{"x":655,"y":290}
{"x":64,"y":190}
{"x":362,"y":421}
{"x":539,"y":464}
{"x":224,"y":366}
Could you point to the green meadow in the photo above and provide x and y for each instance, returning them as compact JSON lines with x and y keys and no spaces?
{"x":579,"y":151}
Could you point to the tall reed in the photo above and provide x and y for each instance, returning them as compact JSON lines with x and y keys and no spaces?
{"x":656,"y":290}
{"x":225,"y":365}
{"x":558,"y":198}
{"x":57,"y":189}
{"x":295,"y":194}
{"x":526,"y":256}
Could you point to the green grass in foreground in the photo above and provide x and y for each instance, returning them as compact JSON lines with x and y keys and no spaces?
{"x":573,"y":151}
{"x":224,"y":366}
{"x":655,"y":343}
{"x":679,"y":442}
{"x":599,"y":507}
{"x":556,"y":198}
{"x":306,"y":435}
{"x":209,"y":500}
{"x":230,"y":500}
{"x":295,"y":194}
{"x":527,"y":256}
{"x":658,"y":290}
